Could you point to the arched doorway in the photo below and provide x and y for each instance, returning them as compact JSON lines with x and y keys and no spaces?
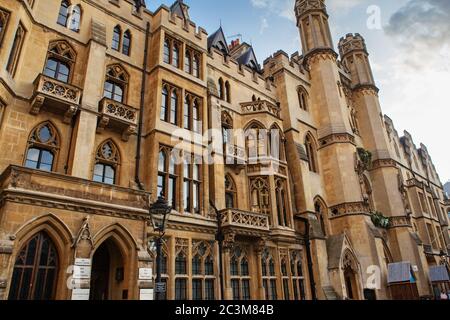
{"x":35,"y":270}
{"x":107,"y":275}
{"x":350,"y":272}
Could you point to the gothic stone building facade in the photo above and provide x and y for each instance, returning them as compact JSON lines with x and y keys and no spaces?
{"x":95,"y":95}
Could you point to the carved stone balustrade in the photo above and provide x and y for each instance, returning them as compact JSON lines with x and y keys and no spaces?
{"x":55,"y":96}
{"x":117,"y":116}
{"x":245,"y":223}
{"x":260,"y":106}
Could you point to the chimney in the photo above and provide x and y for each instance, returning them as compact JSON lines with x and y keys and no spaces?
{"x":234,"y":44}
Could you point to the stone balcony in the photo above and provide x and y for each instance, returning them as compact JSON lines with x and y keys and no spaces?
{"x":55,"y":96}
{"x":58,"y":191}
{"x":260,"y":106}
{"x":117,"y":116}
{"x":234,"y":155}
{"x":245,"y":223}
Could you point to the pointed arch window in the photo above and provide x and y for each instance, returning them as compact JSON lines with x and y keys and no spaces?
{"x":169,"y":104}
{"x":192,"y":184}
{"x":227,"y":91}
{"x":192,"y":62}
{"x":282,"y":202}
{"x":126,"y":46}
{"x":75,"y":18}
{"x":4,"y":18}
{"x":63,"y":13}
{"x":16,"y":49}
{"x":167,"y":44}
{"x":117,"y":35}
{"x":167,"y":178}
{"x":230,"y":193}
{"x":107,"y":161}
{"x":297,"y":275}
{"x":176,"y":55}
{"x":321,"y":211}
{"x":43,"y":146}
{"x":227,"y":126}
{"x":196,"y":66}
{"x":260,"y":195}
{"x":181,"y":274}
{"x":60,"y":59}
{"x":285,"y":278}
{"x":192,"y":113}
{"x":221,"y":89}
{"x":35,"y":271}
{"x":303,"y":98}
{"x":269,"y":276}
{"x":203,"y":278}
{"x":240,"y":275}
{"x":116,"y":83}
{"x":311,"y":153}
{"x":367,"y":193}
{"x":188,"y":62}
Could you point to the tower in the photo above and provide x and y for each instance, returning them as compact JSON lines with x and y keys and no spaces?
{"x":312,"y":20}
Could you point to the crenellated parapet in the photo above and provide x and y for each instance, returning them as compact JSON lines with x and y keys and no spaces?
{"x":304,"y":7}
{"x":352,"y":43}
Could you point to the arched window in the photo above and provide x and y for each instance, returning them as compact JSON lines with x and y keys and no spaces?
{"x":107,"y":161}
{"x":174,"y":107}
{"x":367,"y":193}
{"x":167,"y":178}
{"x":60,"y":59}
{"x":282,"y":202}
{"x":176,"y":55}
{"x":43,"y":146}
{"x":221,"y":89}
{"x":180,"y":273}
{"x":321,"y":211}
{"x":240,"y":274}
{"x":164,"y":104}
{"x":256,"y":141}
{"x":297,"y":275}
{"x":116,"y":83}
{"x":63,"y":13}
{"x":117,"y":35}
{"x":167,"y":51}
{"x":302,"y":98}
{"x":75,"y":18}
{"x":36,"y":270}
{"x":228,"y":92}
{"x":196,"y":66}
{"x":311,"y":153}
{"x":187,"y":62}
{"x":192,"y":113}
{"x":260,"y":195}
{"x":275,"y":141}
{"x":126,"y":46}
{"x":203,"y":278}
{"x":227,"y":126}
{"x":269,"y":276}
{"x":230,"y":193}
{"x":192,"y":182}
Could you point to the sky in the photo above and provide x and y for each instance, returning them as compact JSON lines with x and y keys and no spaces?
{"x":408,"y":42}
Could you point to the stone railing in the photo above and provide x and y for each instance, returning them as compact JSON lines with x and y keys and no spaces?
{"x":234,"y":155}
{"x":244,"y":219}
{"x":56,"y":95}
{"x":260,"y":106}
{"x":119,"y":116}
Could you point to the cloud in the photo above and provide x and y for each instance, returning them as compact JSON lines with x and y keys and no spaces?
{"x":264,"y":25}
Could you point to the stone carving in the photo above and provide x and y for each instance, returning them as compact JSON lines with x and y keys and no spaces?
{"x":83,"y":243}
{"x":259,"y":106}
{"x":238,"y":218}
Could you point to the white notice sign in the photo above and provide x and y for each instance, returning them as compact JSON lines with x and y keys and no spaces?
{"x":80,"y":272}
{"x":146,"y":294}
{"x":80,"y":294}
{"x":145,"y":273}
{"x":82,"y":262}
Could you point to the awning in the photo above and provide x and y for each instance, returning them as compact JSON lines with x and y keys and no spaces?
{"x":439,"y":274}
{"x":400,"y":272}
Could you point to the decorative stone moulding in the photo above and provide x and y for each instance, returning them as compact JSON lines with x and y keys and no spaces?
{"x":118,"y":116}
{"x":55,"y":96}
{"x":260,"y":106}
{"x":244,"y":222}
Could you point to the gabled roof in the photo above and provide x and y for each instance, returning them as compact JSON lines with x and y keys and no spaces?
{"x":248,"y":58}
{"x":180,"y":9}
{"x":218,"y":41}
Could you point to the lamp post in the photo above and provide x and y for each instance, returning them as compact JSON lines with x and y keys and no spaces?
{"x":159,"y":215}
{"x":443,"y":257}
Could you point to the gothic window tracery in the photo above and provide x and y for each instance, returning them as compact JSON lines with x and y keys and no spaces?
{"x":269,"y":276}
{"x":260,"y":195}
{"x":230,"y":193}
{"x":60,"y":59}
{"x":43,"y":146}
{"x":282,"y":202}
{"x":240,"y":273}
{"x":203,"y":278}
{"x":107,"y":162}
{"x":116,"y":83}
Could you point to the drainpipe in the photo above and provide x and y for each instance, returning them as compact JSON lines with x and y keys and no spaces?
{"x":141,"y":113}
{"x":308,"y":257}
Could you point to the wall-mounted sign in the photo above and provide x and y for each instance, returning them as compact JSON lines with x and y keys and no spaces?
{"x":81,"y":272}
{"x":146,"y":294}
{"x":80,"y":294}
{"x":82,"y":262}
{"x":415,"y":268}
{"x":145,"y":273}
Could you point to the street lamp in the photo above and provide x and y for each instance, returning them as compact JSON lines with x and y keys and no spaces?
{"x":159,"y":215}
{"x":443,"y":257}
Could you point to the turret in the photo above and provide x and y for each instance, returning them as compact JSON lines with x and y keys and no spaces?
{"x":312,"y":20}
{"x":355,"y":58}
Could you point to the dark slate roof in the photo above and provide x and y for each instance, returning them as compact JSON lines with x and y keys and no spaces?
{"x":177,"y":8}
{"x":248,"y":58}
{"x":439,"y":274}
{"x":400,"y":272}
{"x":215,"y":39}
